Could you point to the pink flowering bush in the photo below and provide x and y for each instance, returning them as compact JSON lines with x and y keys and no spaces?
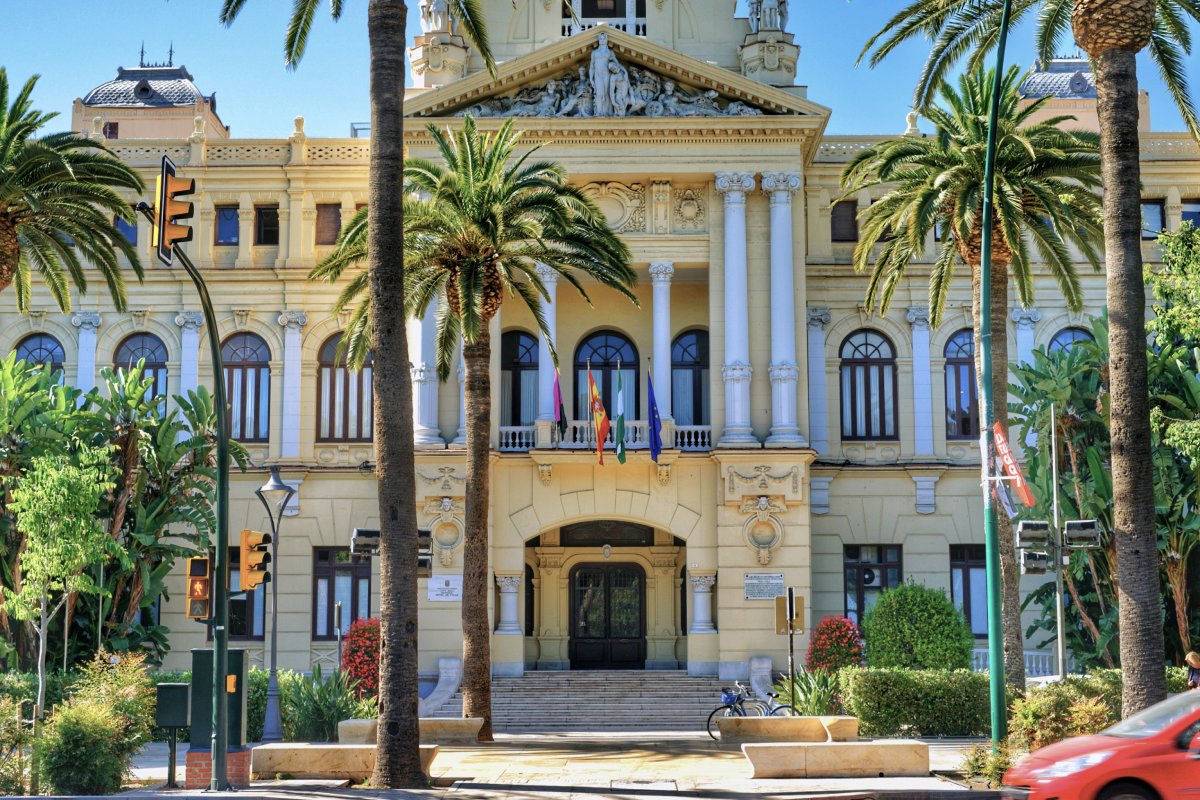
{"x":836,"y":643}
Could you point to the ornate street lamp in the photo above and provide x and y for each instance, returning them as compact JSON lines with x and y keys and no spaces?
{"x":274,"y":495}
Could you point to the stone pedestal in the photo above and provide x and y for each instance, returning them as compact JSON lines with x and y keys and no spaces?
{"x":770,"y":57}
{"x":197,"y":771}
{"x":440,"y":58}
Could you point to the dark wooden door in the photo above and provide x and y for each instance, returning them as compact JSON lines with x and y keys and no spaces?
{"x":608,"y":617}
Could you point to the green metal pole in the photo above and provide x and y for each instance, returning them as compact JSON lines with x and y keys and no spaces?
{"x":991,"y":537}
{"x":218,"y":780}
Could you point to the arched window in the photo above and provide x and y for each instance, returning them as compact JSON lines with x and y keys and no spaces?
{"x":608,"y":352}
{"x":518,"y":378}
{"x":1065,"y":339}
{"x":962,"y":396}
{"x":344,"y":400}
{"x":42,"y":349}
{"x":248,"y":384}
{"x":689,"y":378}
{"x":138,"y":346}
{"x":868,"y":386}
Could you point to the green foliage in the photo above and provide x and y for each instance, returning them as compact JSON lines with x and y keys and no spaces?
{"x":77,"y":752}
{"x":22,"y":687}
{"x":311,"y":706}
{"x":981,"y":762}
{"x":121,"y":682}
{"x":14,"y":738}
{"x":256,"y":703}
{"x":917,"y":627}
{"x":813,"y":693}
{"x":903,"y":702}
{"x":1176,"y":285}
{"x":1057,"y":711}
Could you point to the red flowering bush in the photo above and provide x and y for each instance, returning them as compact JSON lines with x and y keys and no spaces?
{"x":360,"y":656}
{"x":836,"y":643}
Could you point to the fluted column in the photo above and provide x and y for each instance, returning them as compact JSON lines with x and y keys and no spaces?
{"x":292,"y":321}
{"x":702,"y":621}
{"x":660,"y":277}
{"x":460,"y":438}
{"x":785,"y":429}
{"x":190,"y":323}
{"x":545,"y":418}
{"x":736,"y":369}
{"x":422,"y":350}
{"x":509,"y":586}
{"x":818,"y":414}
{"x":918,"y":318}
{"x":88,"y":323}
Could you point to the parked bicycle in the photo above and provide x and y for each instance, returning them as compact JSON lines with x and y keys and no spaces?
{"x":741,"y":702}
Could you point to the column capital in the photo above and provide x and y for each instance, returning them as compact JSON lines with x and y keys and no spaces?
{"x":736,"y":372}
{"x":918,"y":317}
{"x":783,"y":182}
{"x":1025,"y":318}
{"x":734,"y":185}
{"x":293,"y":319}
{"x":424,"y":374}
{"x":819,"y":317}
{"x":785,"y":371}
{"x":508,"y":583}
{"x":661,"y":271}
{"x":190,"y":320}
{"x":86,"y":320}
{"x":702,"y":582}
{"x":548,"y":274}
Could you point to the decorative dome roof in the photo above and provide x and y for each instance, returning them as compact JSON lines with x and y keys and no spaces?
{"x":1067,"y":78}
{"x":148,"y":87}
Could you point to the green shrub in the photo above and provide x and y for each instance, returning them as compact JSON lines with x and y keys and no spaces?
{"x":22,"y":687}
{"x":836,"y":643}
{"x":256,"y":703}
{"x":121,"y":683}
{"x":981,"y":762}
{"x":78,"y":753}
{"x":1077,"y":706}
{"x":813,"y":694}
{"x":311,"y":706}
{"x":900,"y":702}
{"x":916,"y":627}
{"x":14,"y":738}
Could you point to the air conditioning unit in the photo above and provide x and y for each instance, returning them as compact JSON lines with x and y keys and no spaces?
{"x":872,"y":577}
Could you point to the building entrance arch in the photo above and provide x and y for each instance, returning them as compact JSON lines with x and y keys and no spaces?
{"x":608,"y":616}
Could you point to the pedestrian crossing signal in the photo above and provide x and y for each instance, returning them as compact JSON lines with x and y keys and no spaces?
{"x":199,"y":588}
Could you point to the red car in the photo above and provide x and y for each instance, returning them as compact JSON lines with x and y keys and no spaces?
{"x":1154,"y":755}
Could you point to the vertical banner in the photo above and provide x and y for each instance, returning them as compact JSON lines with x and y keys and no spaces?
{"x":1011,"y":468}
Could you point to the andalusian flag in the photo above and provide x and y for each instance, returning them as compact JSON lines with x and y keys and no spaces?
{"x":599,"y":416}
{"x":619,"y":437}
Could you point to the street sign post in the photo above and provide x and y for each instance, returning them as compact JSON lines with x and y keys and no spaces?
{"x":789,"y":620}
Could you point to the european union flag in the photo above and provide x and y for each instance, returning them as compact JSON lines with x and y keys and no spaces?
{"x":655,"y":424}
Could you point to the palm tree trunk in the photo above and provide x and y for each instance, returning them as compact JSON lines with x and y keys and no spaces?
{"x":1143,"y":647}
{"x":398,"y":761}
{"x":477,"y":633}
{"x":10,"y":253}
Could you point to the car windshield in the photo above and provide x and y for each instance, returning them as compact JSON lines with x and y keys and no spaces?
{"x":1157,"y":718}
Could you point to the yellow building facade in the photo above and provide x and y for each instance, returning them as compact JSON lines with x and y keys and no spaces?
{"x":807,"y":442}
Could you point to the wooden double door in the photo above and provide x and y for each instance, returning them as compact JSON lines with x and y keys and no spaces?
{"x":608,"y":616}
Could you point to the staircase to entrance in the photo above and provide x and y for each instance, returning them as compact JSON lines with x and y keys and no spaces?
{"x":599,"y":701}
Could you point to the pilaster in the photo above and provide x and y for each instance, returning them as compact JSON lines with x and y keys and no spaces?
{"x":546,"y":404}
{"x":88,"y":322}
{"x":918,"y":318}
{"x":660,"y":278}
{"x":292,"y":320}
{"x":736,"y":370}
{"x":190,"y":323}
{"x":818,"y":415}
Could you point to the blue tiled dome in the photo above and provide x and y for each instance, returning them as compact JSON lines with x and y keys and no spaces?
{"x":148,"y":87}
{"x":1068,"y":78}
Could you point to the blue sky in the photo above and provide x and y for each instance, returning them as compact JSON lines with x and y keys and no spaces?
{"x":75,"y":45}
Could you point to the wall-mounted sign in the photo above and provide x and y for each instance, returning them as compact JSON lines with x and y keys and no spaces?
{"x":763,"y":585}
{"x":445,"y":589}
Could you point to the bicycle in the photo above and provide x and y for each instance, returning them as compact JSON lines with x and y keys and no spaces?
{"x":739,"y":702}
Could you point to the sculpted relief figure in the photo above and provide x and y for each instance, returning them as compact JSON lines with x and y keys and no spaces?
{"x":619,"y":90}
{"x":602,"y":58}
{"x":435,"y":16}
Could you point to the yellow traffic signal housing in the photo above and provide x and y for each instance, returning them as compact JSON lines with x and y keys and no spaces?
{"x":199,"y":588}
{"x":255,"y":560}
{"x":167,"y":230}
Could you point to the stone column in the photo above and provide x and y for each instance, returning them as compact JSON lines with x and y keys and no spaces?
{"x":785,"y":430}
{"x":923,"y":408}
{"x":660,"y":277}
{"x":1026,"y":319}
{"x":245,"y":234}
{"x":422,"y":350}
{"x":736,"y":369}
{"x":545,"y":417}
{"x":509,"y":622}
{"x":818,"y":415}
{"x":189,"y":354}
{"x":285,"y":227}
{"x":88,"y":323}
{"x":292,"y":321}
{"x":460,"y":438}
{"x":702,"y":621}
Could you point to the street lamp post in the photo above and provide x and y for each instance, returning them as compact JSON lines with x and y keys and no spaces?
{"x":274,"y":495}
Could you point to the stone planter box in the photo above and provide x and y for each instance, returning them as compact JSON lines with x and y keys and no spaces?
{"x":876,"y":759}
{"x":437,"y":730}
{"x":736,"y":730}
{"x":319,"y":760}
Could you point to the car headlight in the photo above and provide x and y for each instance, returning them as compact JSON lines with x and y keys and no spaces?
{"x":1061,"y":769}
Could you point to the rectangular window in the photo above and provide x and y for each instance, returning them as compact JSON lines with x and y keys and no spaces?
{"x":127,"y":229}
{"x":869,"y":569}
{"x":329,"y":222}
{"x":843,"y":221}
{"x":968,"y":585}
{"x":245,"y":608}
{"x":266,"y":226}
{"x":112,"y":130}
{"x":1191,"y":212}
{"x":225,"y":225}
{"x":1153,"y":218}
{"x":339,"y":577}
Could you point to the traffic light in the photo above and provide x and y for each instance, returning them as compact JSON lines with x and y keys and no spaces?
{"x":364,"y":542}
{"x":199,"y":588}
{"x":1082,"y":534}
{"x":1033,"y":535}
{"x":167,"y":230}
{"x":256,"y":557}
{"x":1034,"y":562}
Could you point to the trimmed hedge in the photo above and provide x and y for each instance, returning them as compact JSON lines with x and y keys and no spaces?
{"x":917,"y":627}
{"x":902,"y":702}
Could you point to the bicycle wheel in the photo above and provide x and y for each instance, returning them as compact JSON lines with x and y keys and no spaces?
{"x":785,"y":711}
{"x":756,"y":708}
{"x":721,"y":711}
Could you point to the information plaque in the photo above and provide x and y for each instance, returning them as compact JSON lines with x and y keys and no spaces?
{"x":763,"y":585}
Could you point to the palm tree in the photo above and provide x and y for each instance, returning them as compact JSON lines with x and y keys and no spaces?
{"x":1045,"y":182}
{"x":1111,"y":32}
{"x":480,"y":233}
{"x":57,"y":203}
{"x":397,"y":762}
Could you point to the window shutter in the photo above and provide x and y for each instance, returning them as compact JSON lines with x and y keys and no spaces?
{"x":329,"y":222}
{"x":843,"y":224}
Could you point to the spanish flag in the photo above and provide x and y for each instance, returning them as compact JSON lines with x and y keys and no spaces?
{"x":599,"y":415}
